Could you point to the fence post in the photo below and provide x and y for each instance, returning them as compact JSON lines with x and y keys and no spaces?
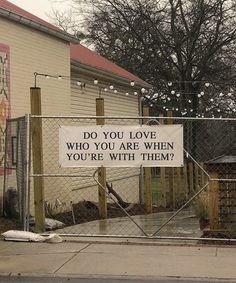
{"x":37,"y":152}
{"x":171,"y":171}
{"x":179,"y":187}
{"x":196,"y":179}
{"x":148,"y":175}
{"x":202,"y":174}
{"x":162,"y":194}
{"x":213,"y":199}
{"x":102,"y":170}
{"x":27,"y":170}
{"x":185,"y":176}
{"x":190,"y":174}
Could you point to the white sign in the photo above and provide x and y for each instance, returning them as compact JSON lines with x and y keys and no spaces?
{"x":121,"y":146}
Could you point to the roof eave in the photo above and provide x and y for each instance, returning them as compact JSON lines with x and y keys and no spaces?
{"x":40,"y":27}
{"x":106,"y":75}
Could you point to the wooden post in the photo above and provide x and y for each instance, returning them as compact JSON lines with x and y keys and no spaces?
{"x":190,"y":174}
{"x":185,"y":181}
{"x":196,"y":179}
{"x":169,"y":115}
{"x":213,"y":201}
{"x":163,"y":201}
{"x":145,"y":113}
{"x":172,"y":187}
{"x":162,"y":186}
{"x":101,"y":171}
{"x":37,"y":154}
{"x":171,"y":171}
{"x":203,"y":177}
{"x":179,"y":185}
{"x":147,"y":174}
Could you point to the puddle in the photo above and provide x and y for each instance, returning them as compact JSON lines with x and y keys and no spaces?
{"x":183,"y":225}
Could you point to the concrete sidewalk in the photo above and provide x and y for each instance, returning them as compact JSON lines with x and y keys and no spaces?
{"x":117,"y":258}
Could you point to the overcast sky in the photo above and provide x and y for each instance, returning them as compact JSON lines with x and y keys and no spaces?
{"x":40,"y":7}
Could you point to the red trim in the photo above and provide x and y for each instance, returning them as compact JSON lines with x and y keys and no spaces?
{"x":6,"y":49}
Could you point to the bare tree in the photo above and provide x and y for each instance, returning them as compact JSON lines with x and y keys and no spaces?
{"x":184,"y":48}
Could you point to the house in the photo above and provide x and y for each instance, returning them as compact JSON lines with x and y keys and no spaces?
{"x":70,"y":76}
{"x":22,"y":38}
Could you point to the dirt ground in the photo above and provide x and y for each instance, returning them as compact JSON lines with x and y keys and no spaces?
{"x":7,"y":224}
{"x":82,"y":212}
{"x":87,"y":211}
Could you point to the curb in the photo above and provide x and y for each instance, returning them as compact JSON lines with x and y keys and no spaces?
{"x":110,"y":277}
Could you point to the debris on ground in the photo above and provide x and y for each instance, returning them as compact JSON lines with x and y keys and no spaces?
{"x":25,"y":236}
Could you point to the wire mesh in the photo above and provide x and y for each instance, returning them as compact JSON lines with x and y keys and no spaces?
{"x":181,"y":196}
{"x":14,"y":193}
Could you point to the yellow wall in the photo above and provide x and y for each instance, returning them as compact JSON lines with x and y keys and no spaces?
{"x":32,"y":51}
{"x":83,"y":101}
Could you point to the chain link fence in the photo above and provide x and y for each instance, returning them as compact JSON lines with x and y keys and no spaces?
{"x":15,"y":194}
{"x":205,"y":187}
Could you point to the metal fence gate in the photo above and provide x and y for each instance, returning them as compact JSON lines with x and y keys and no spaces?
{"x":180,"y":196}
{"x":15,"y":185}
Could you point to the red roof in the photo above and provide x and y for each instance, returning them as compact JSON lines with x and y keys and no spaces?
{"x":78,"y":52}
{"x":86,"y":56}
{"x":17,"y":10}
